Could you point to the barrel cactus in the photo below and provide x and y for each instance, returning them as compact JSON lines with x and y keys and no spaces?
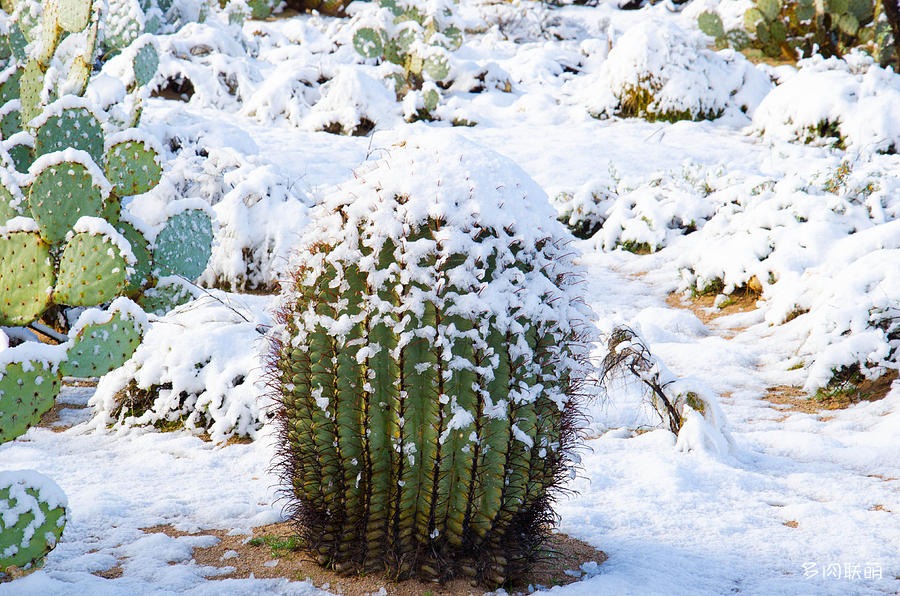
{"x":427,"y":361}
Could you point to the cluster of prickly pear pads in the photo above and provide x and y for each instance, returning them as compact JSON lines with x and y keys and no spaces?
{"x":402,"y":45}
{"x":66,"y":241}
{"x":788,"y":28}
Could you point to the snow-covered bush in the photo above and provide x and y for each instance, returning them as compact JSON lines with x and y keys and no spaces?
{"x":199,"y":367}
{"x":851,"y":102}
{"x":659,"y":71}
{"x":686,"y":406}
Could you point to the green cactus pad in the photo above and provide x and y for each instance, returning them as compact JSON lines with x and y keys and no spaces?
{"x":437,"y":67}
{"x":167,"y":294}
{"x":26,"y":277}
{"x":711,"y":24}
{"x":367,"y":42}
{"x":77,"y":128}
{"x":34,"y":518}
{"x":9,"y":87}
{"x":184,"y":245}
{"x":28,"y":390}
{"x":60,"y":195}
{"x":10,"y":120}
{"x":22,"y":156}
{"x":140,"y":246}
{"x":31,"y":84}
{"x":146,"y":61}
{"x":74,"y":15}
{"x":10,"y":199}
{"x":102,"y":346}
{"x":17,"y":43}
{"x":91,"y":271}
{"x":132,"y":167}
{"x":769,"y":8}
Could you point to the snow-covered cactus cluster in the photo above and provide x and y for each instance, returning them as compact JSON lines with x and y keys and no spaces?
{"x":417,"y":38}
{"x":793,"y":28}
{"x":428,"y":406}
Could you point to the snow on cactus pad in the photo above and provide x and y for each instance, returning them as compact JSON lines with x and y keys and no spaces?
{"x":32,"y":518}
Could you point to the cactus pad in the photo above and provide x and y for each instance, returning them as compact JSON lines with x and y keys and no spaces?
{"x":26,"y":277}
{"x":367,"y":42}
{"x":33,"y":521}
{"x":132,"y":167}
{"x":9,"y":87}
{"x":76,"y":128}
{"x":28,"y":390}
{"x":100,"y":347}
{"x":10,"y":120}
{"x":31,"y":84}
{"x":22,"y":156}
{"x":60,"y":195}
{"x":146,"y":61}
{"x":91,"y":271}
{"x":141,"y":249}
{"x":184,"y":245}
{"x":166,"y":295}
{"x":74,"y":15}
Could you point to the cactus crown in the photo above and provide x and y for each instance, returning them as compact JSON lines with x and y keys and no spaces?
{"x":428,"y":412}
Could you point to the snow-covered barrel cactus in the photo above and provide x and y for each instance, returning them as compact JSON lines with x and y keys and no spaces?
{"x":427,"y":361}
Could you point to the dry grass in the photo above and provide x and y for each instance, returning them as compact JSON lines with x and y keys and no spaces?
{"x":272,"y":552}
{"x":703,"y":306}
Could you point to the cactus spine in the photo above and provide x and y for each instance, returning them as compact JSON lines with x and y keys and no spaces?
{"x":427,"y":409}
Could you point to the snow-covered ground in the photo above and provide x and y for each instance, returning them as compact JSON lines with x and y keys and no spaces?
{"x":795,"y":503}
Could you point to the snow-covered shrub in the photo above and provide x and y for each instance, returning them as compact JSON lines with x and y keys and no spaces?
{"x":584,"y":210}
{"x":850,"y":102}
{"x":686,"y":406}
{"x":352,"y":103}
{"x":824,"y":254}
{"x":418,"y":40}
{"x":260,"y":221}
{"x":659,"y":71}
{"x":199,"y":367}
{"x":409,"y":361}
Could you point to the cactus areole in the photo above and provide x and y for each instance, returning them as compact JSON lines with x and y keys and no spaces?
{"x":428,"y":356}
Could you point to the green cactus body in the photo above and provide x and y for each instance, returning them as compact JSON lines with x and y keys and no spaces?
{"x":146,"y":62}
{"x":104,"y":340}
{"x":427,"y":410}
{"x":74,"y":127}
{"x":74,"y":15}
{"x":27,"y":275}
{"x":168,"y":293}
{"x":28,"y":387}
{"x":67,"y":186}
{"x":132,"y":166}
{"x":184,"y":245}
{"x":34,"y":520}
{"x":93,"y":267}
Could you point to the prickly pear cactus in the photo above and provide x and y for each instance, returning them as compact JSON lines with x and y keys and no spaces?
{"x":34,"y":515}
{"x":427,"y":400}
{"x":29,"y":382}
{"x":418,"y":41}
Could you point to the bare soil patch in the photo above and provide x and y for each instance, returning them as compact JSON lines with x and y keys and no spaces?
{"x":796,"y":400}
{"x":704,"y":306}
{"x":272,"y":552}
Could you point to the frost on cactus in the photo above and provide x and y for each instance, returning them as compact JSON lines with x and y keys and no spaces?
{"x":29,"y":383}
{"x":32,"y":518}
{"x":428,"y":404}
{"x":103,"y":340}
